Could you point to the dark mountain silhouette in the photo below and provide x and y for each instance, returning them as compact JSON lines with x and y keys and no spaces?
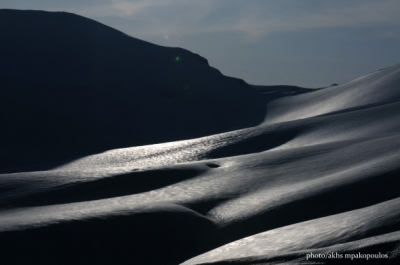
{"x":70,"y":85}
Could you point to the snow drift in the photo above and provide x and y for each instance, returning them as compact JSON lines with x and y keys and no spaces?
{"x":271,"y":177}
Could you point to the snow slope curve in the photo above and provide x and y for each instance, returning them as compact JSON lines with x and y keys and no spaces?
{"x":320,"y":175}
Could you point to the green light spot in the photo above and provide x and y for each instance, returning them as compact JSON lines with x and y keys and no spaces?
{"x":177,"y":58}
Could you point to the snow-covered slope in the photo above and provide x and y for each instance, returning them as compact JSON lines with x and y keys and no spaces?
{"x":320,"y":175}
{"x":379,"y":87}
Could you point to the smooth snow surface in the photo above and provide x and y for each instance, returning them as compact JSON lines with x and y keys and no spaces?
{"x":316,"y":171}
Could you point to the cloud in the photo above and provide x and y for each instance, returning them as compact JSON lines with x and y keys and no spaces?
{"x":253,"y":19}
{"x":159,"y":17}
{"x":131,"y":8}
{"x":269,"y":18}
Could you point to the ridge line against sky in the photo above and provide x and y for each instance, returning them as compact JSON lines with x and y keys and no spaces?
{"x":307,"y":43}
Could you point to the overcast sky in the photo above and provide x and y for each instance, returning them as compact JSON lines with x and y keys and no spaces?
{"x":308,"y":43}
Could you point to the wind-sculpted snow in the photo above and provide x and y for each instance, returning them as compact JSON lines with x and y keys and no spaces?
{"x":316,"y":183}
{"x":314,"y":234}
{"x":376,"y":88}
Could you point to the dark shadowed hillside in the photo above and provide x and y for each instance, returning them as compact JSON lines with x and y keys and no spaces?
{"x":70,"y":85}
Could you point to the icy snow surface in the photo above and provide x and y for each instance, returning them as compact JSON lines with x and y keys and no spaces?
{"x":318,"y":173}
